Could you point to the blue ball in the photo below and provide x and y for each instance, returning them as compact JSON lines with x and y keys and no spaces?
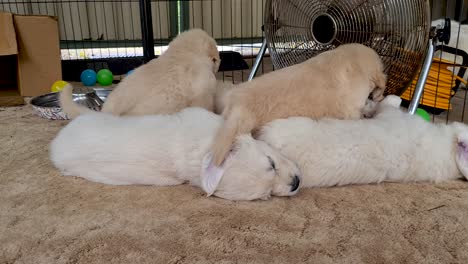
{"x":88,"y":77}
{"x":130,"y":72}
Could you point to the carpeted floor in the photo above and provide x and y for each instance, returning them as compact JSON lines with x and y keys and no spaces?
{"x":46,"y":218}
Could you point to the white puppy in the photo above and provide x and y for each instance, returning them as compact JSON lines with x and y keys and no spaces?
{"x":170,"y":150}
{"x":183,"y":76}
{"x":393,"y":146}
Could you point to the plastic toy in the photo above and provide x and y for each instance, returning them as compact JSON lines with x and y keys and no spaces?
{"x":88,"y":77}
{"x":423,"y":114}
{"x":105,"y":77}
{"x":58,"y":86}
{"x":130,"y":72}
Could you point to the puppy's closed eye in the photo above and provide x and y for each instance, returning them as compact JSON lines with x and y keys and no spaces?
{"x":214,"y":60}
{"x":272,"y":163}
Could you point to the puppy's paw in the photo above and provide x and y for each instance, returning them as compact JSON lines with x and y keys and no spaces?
{"x":369,"y":109}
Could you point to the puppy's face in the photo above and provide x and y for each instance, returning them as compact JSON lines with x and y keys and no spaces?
{"x":253,"y":170}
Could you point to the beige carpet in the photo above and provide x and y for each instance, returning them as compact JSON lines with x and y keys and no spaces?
{"x":46,"y":218}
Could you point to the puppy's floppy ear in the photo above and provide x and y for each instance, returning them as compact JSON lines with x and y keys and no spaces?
{"x":462,"y":146}
{"x":462,"y":154}
{"x":210,"y":175}
{"x":379,"y":79}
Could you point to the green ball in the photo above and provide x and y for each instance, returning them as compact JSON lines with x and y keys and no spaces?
{"x":423,"y":114}
{"x":105,"y":77}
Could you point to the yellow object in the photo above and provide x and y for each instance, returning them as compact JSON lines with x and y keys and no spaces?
{"x":438,"y":88}
{"x":58,"y":86}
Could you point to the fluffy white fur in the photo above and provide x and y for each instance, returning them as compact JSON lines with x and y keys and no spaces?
{"x":394,"y":146}
{"x":170,"y":150}
{"x":183,"y":76}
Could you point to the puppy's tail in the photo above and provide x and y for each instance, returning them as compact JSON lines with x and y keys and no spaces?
{"x":237,"y":121}
{"x":67,"y":104}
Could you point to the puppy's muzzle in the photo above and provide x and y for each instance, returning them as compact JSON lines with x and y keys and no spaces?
{"x":296,"y":181}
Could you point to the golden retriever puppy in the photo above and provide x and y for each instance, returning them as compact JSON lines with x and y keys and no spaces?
{"x":223,"y":90}
{"x":183,"y":76}
{"x":336,"y":84}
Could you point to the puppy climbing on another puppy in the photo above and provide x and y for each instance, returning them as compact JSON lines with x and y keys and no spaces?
{"x":340,"y":83}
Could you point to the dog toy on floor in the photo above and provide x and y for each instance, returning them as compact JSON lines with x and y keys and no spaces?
{"x":58,"y":86}
{"x":88,"y":77}
{"x":105,"y":77}
{"x":423,"y":114}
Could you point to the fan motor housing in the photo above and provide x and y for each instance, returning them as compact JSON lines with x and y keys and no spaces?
{"x":324,"y":29}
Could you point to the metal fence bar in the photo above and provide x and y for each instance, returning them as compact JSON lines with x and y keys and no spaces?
{"x":147,"y":30}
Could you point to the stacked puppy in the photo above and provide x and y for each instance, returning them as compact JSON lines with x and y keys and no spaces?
{"x":311,"y":123}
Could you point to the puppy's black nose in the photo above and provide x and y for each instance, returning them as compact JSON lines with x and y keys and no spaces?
{"x":295,"y":183}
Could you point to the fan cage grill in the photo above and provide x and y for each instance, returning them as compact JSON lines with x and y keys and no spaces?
{"x":398,"y":31}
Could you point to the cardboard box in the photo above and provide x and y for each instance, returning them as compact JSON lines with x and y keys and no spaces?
{"x":29,"y":56}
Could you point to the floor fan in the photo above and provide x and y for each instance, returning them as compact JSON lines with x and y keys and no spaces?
{"x":400,"y":32}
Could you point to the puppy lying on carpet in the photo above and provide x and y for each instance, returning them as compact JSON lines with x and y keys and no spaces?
{"x":335,"y":83}
{"x":183,"y":76}
{"x":393,"y":146}
{"x":170,"y":150}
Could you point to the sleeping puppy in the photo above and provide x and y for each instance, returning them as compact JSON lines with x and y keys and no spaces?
{"x":394,"y":146}
{"x":336,"y":83}
{"x":170,"y":150}
{"x":183,"y":76}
